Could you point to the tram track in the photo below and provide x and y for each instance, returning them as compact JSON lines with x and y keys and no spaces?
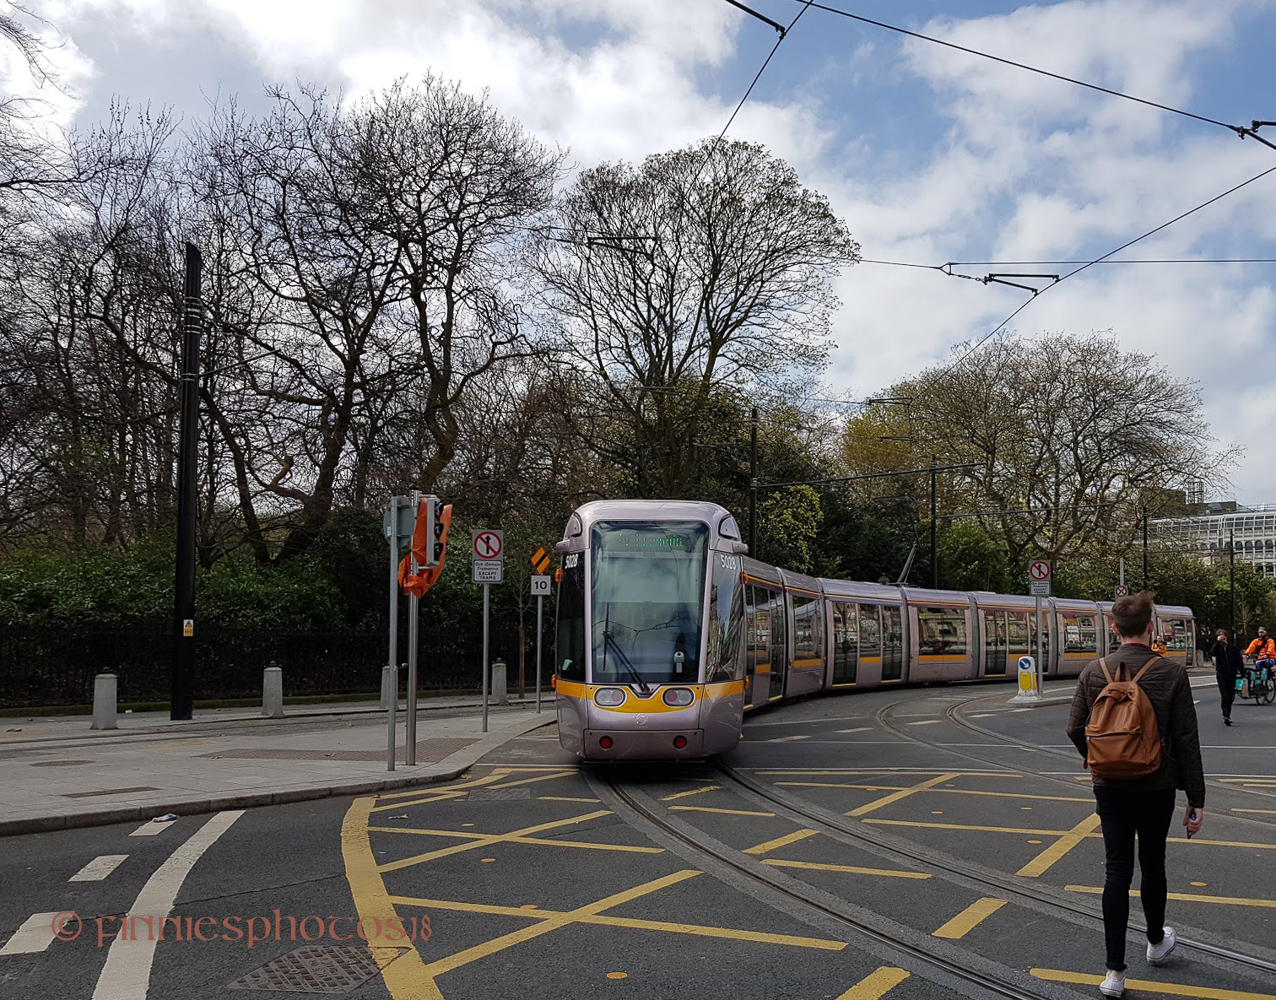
{"x":963,"y":870}
{"x":974,"y":976}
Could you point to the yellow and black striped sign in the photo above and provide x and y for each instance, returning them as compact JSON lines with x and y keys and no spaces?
{"x":540,"y":560}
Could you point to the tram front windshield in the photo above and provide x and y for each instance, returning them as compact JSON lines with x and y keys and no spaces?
{"x":647,"y":601}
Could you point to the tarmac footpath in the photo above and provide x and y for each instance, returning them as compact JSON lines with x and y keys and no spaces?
{"x":56,"y":773}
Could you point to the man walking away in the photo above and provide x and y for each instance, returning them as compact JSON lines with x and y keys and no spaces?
{"x":1141,"y":807}
{"x":1227,"y":667}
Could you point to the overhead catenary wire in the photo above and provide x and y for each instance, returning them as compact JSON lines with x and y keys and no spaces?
{"x":1240,"y":130}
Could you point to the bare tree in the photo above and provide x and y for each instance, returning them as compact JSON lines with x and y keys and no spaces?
{"x":704,"y":268}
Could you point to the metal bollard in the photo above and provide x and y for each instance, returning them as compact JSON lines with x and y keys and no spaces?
{"x":272,"y":693}
{"x":104,"y":703}
{"x":500,"y":693}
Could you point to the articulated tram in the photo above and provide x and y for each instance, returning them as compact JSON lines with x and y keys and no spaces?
{"x":668,"y":632}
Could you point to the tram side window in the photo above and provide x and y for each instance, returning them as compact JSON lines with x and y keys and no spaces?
{"x":845,"y":658}
{"x":570,"y":634}
{"x":941,"y":631}
{"x":808,"y":631}
{"x":1080,"y":634}
{"x":870,"y":631}
{"x":726,"y":614}
{"x":892,"y":641}
{"x":1017,"y":633}
{"x":1175,"y":633}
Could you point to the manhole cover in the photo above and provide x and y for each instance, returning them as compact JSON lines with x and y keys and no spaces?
{"x":314,"y":970}
{"x":499,"y":794}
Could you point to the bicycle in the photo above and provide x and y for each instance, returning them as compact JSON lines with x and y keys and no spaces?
{"x":1257,"y":683}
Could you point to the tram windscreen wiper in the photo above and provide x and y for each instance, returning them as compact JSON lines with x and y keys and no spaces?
{"x":625,"y":662}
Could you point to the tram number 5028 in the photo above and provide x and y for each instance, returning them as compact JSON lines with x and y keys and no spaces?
{"x":729,"y":562}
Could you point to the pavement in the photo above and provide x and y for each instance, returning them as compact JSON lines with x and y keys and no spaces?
{"x":57,"y":773}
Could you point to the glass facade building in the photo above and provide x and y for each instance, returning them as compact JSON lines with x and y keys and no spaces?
{"x":1250,"y":530}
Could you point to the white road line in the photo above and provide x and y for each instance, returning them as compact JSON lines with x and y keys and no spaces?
{"x":98,"y":869}
{"x":787,"y":739}
{"x":151,"y":829}
{"x":924,"y":722}
{"x":861,"y":729}
{"x":35,"y":934}
{"x":127,"y":972}
{"x":984,"y":715}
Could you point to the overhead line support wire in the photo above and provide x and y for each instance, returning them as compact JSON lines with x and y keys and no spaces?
{"x":761,"y":17}
{"x":1240,"y":130}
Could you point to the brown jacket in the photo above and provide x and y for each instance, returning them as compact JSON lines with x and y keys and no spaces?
{"x":1167,"y":687}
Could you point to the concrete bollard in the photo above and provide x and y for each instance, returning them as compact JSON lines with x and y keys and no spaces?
{"x":104,"y":703}
{"x":500,"y":694}
{"x":387,"y":687}
{"x":272,"y":693}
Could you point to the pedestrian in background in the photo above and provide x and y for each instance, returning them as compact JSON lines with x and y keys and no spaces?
{"x":1141,"y":808}
{"x":1228,"y":665}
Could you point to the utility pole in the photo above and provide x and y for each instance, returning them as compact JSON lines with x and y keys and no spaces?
{"x":1231,"y":576}
{"x":1146,"y":585}
{"x":182,"y":678}
{"x":753,"y":485}
{"x":934,"y":553}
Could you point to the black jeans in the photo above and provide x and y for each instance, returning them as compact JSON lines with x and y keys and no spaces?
{"x":1122,"y":815}
{"x":1227,"y":691}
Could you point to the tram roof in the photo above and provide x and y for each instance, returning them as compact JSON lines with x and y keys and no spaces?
{"x":712,"y":514}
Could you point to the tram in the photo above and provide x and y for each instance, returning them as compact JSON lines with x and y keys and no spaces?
{"x":668,"y":632}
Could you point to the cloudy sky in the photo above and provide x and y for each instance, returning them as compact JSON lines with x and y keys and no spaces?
{"x":932,"y":155}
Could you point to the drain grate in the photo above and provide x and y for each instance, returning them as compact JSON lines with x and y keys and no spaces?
{"x":59,"y":763}
{"x":499,"y":794}
{"x":314,"y":970}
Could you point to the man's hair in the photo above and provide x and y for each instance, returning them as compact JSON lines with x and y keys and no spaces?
{"x":1131,"y":614}
{"x":1222,"y":634}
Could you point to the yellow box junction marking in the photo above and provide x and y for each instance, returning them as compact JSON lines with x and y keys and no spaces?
{"x":628,"y":923}
{"x":875,"y":984}
{"x":403,"y":972}
{"x":848,"y":869}
{"x":778,"y":842}
{"x":1190,"y":897}
{"x":1057,"y":850}
{"x":1151,"y":986}
{"x":969,"y":918}
{"x":938,"y":791}
{"x":695,"y":791}
{"x":424,"y":797}
{"x":725,"y":812}
{"x":513,"y":839}
{"x":487,"y":840}
{"x":903,"y":793}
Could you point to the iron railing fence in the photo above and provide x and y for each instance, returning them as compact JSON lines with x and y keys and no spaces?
{"x":57,"y":666}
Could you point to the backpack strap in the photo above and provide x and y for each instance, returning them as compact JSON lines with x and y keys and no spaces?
{"x":1145,"y":667}
{"x":1107,"y":674}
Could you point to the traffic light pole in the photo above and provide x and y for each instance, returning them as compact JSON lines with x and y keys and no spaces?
{"x":413,"y":613}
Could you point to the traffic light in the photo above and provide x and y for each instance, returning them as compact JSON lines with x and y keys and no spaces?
{"x":436,"y":525}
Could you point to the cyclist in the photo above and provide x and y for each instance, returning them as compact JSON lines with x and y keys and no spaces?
{"x":1263,"y":649}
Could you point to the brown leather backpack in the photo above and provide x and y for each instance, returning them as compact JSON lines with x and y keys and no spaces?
{"x":1122,"y":740}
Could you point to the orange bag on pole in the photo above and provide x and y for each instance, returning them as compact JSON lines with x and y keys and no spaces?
{"x":419,"y":583}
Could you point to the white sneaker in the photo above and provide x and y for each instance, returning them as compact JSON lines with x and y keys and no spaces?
{"x":1114,"y":985}
{"x":1159,"y":953}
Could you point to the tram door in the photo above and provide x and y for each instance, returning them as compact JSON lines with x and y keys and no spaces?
{"x":892,"y":643}
{"x":996,"y":644}
{"x":766,"y":652}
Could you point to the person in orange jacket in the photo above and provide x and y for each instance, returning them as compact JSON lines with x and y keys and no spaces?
{"x":1262,"y":648}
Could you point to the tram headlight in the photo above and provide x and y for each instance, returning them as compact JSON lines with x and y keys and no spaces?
{"x":679,"y":697}
{"x":609,"y":697}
